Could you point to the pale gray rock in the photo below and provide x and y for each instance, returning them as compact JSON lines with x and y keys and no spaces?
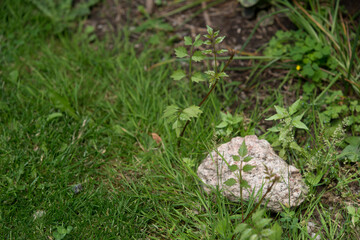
{"x":289,"y":191}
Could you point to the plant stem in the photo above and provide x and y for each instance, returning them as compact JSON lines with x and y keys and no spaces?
{"x":190,"y":72}
{"x":207,"y":95}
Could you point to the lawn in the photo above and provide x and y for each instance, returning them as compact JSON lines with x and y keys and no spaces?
{"x":87,"y":153}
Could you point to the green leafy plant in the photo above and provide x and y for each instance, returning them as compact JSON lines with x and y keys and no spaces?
{"x":289,"y":121}
{"x":228,"y":124}
{"x":257,"y":227}
{"x":289,"y":221}
{"x":63,"y":12}
{"x":61,"y":232}
{"x":312,"y":58}
{"x":327,"y":43}
{"x":351,"y":152}
{"x":182,"y":117}
{"x":355,"y":215}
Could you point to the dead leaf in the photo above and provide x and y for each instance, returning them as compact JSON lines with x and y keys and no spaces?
{"x":156,"y":137}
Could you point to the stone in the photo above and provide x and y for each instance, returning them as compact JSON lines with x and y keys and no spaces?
{"x":289,"y":191}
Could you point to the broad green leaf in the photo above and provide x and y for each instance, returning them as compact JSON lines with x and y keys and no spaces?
{"x":294,"y":107}
{"x":178,"y":75}
{"x":198,"y":42}
{"x":274,"y":129}
{"x":198,"y":77}
{"x":241,"y":227}
{"x":298,"y":124}
{"x":236,"y":158}
{"x":216,"y":33}
{"x":198,"y":56}
{"x":248,"y":168}
{"x":244,"y":183}
{"x":282,"y":153}
{"x":230,"y":182}
{"x":262,"y":223}
{"x":181,"y":52}
{"x":192,"y":111}
{"x":222,"y":125}
{"x":295,"y":146}
{"x":282,"y":112}
{"x":276,"y":232}
{"x":274,"y":117}
{"x":243,"y":149}
{"x":188,"y":40}
{"x":247,"y":159}
{"x":233,"y":168}
{"x":170,"y":111}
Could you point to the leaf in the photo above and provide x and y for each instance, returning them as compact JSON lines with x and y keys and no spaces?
{"x":188,"y":40}
{"x":295,"y":146}
{"x":198,"y":42}
{"x":219,"y":39}
{"x":209,"y":30}
{"x":244,"y":183}
{"x":294,"y":107}
{"x":210,"y":73}
{"x":236,"y":158}
{"x":62,"y":103}
{"x":170,"y":111}
{"x":223,"y":124}
{"x":198,"y":77}
{"x":298,"y":124}
{"x":274,"y":129}
{"x":208,"y":51}
{"x":54,"y":115}
{"x":193,"y":111}
{"x":230,"y":182}
{"x":247,"y":159}
{"x":223,"y":74}
{"x":276,"y":232}
{"x":248,"y":168}
{"x":178,"y":75}
{"x":177,"y":127}
{"x":221,"y":51}
{"x":198,"y":56}
{"x":156,"y":138}
{"x":243,"y":149}
{"x":241,"y":227}
{"x":281,"y":111}
{"x":181,"y":52}
{"x":233,"y":168}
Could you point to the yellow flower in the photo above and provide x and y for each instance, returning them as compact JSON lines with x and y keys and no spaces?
{"x":298,"y":67}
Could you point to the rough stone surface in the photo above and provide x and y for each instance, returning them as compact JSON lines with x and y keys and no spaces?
{"x":289,"y":191}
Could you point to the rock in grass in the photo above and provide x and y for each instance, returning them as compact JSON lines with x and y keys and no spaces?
{"x":289,"y":191}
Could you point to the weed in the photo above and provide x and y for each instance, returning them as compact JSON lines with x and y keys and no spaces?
{"x":182,"y":117}
{"x":289,"y":119}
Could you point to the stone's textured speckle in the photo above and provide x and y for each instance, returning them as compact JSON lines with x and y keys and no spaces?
{"x":289,"y":191}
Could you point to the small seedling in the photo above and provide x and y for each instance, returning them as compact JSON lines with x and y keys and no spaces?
{"x":288,"y":121}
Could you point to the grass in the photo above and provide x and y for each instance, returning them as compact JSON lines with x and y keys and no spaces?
{"x":74,"y":112}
